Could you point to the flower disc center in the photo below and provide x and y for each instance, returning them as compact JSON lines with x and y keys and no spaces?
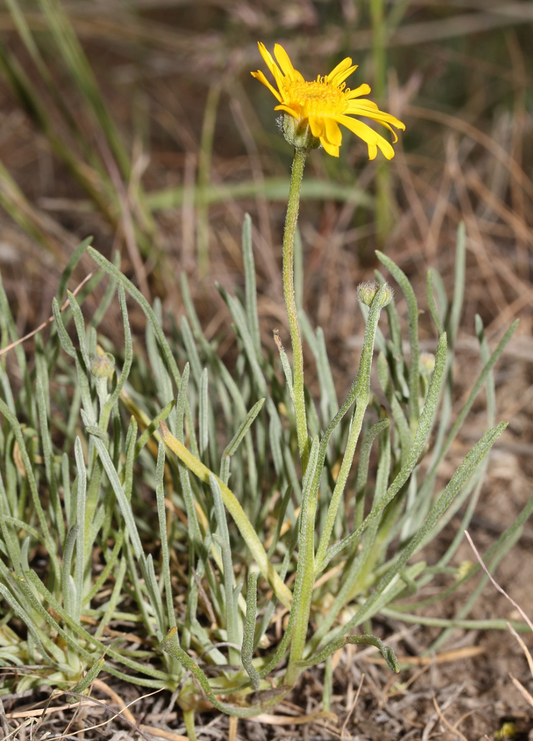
{"x":317,"y":98}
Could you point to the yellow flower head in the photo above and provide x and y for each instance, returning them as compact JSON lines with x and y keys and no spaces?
{"x":326,"y":102}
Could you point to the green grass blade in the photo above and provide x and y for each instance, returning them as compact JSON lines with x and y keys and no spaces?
{"x":412,"y":315}
{"x":458,"y":284}
{"x":248,"y":643}
{"x":161,"y":513}
{"x":250,"y":282}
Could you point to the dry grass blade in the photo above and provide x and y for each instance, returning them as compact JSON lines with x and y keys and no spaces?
{"x":233,"y":724}
{"x":289,"y":720}
{"x":446,"y":657}
{"x":123,"y":712}
{"x":42,"y":712}
{"x":520,"y":687}
{"x":42,"y":326}
{"x":161,"y":733}
{"x":478,"y":136}
{"x":354,"y":705}
{"x":524,"y":648}
{"x":124,"y":708}
{"x":447,"y":723}
{"x":502,"y":591}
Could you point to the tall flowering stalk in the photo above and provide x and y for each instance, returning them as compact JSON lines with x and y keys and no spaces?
{"x":312,"y":112}
{"x":291,"y":220}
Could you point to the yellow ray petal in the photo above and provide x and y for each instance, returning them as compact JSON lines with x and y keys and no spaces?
{"x":261,"y":77}
{"x":341,"y":76}
{"x":285,"y":63}
{"x":385,"y":147}
{"x":363,"y":89}
{"x":291,"y":111}
{"x":346,"y":62}
{"x":267,"y":56}
{"x":368,"y":135}
{"x":329,"y":148}
{"x":339,"y":69}
{"x":387,"y":126}
{"x":317,"y":126}
{"x":355,"y":108}
{"x":333,"y":133}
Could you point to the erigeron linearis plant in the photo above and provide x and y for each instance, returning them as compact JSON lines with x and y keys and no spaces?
{"x":266,"y":519}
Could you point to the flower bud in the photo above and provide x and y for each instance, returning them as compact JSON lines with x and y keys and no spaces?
{"x":298,"y":133}
{"x":103,"y":366}
{"x":367,"y":292}
{"x":427,"y":362}
{"x":464,"y":568}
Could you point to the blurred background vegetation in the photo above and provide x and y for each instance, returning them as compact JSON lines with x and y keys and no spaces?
{"x":137,"y":122}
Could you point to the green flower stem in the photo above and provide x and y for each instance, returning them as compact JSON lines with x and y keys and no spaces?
{"x":291,"y":220}
{"x":305,"y":577}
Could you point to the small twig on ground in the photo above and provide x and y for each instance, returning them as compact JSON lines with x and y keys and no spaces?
{"x":519,"y":686}
{"x":350,"y":711}
{"x":502,"y":591}
{"x":446,"y":722}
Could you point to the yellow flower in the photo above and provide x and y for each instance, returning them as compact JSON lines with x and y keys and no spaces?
{"x":326,"y":102}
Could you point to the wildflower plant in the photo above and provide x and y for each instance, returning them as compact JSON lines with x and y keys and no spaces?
{"x":160,"y":513}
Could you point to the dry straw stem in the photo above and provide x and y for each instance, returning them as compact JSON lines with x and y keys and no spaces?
{"x":446,"y":722}
{"x":289,"y":720}
{"x":520,"y":687}
{"x":92,"y":702}
{"x":495,"y":583}
{"x":45,"y":324}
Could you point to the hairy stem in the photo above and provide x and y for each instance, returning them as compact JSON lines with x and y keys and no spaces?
{"x":291,"y":221}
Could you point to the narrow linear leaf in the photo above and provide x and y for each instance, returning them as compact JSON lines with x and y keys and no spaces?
{"x":236,"y":511}
{"x":365,"y":640}
{"x":249,"y":631}
{"x":412,"y":313}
